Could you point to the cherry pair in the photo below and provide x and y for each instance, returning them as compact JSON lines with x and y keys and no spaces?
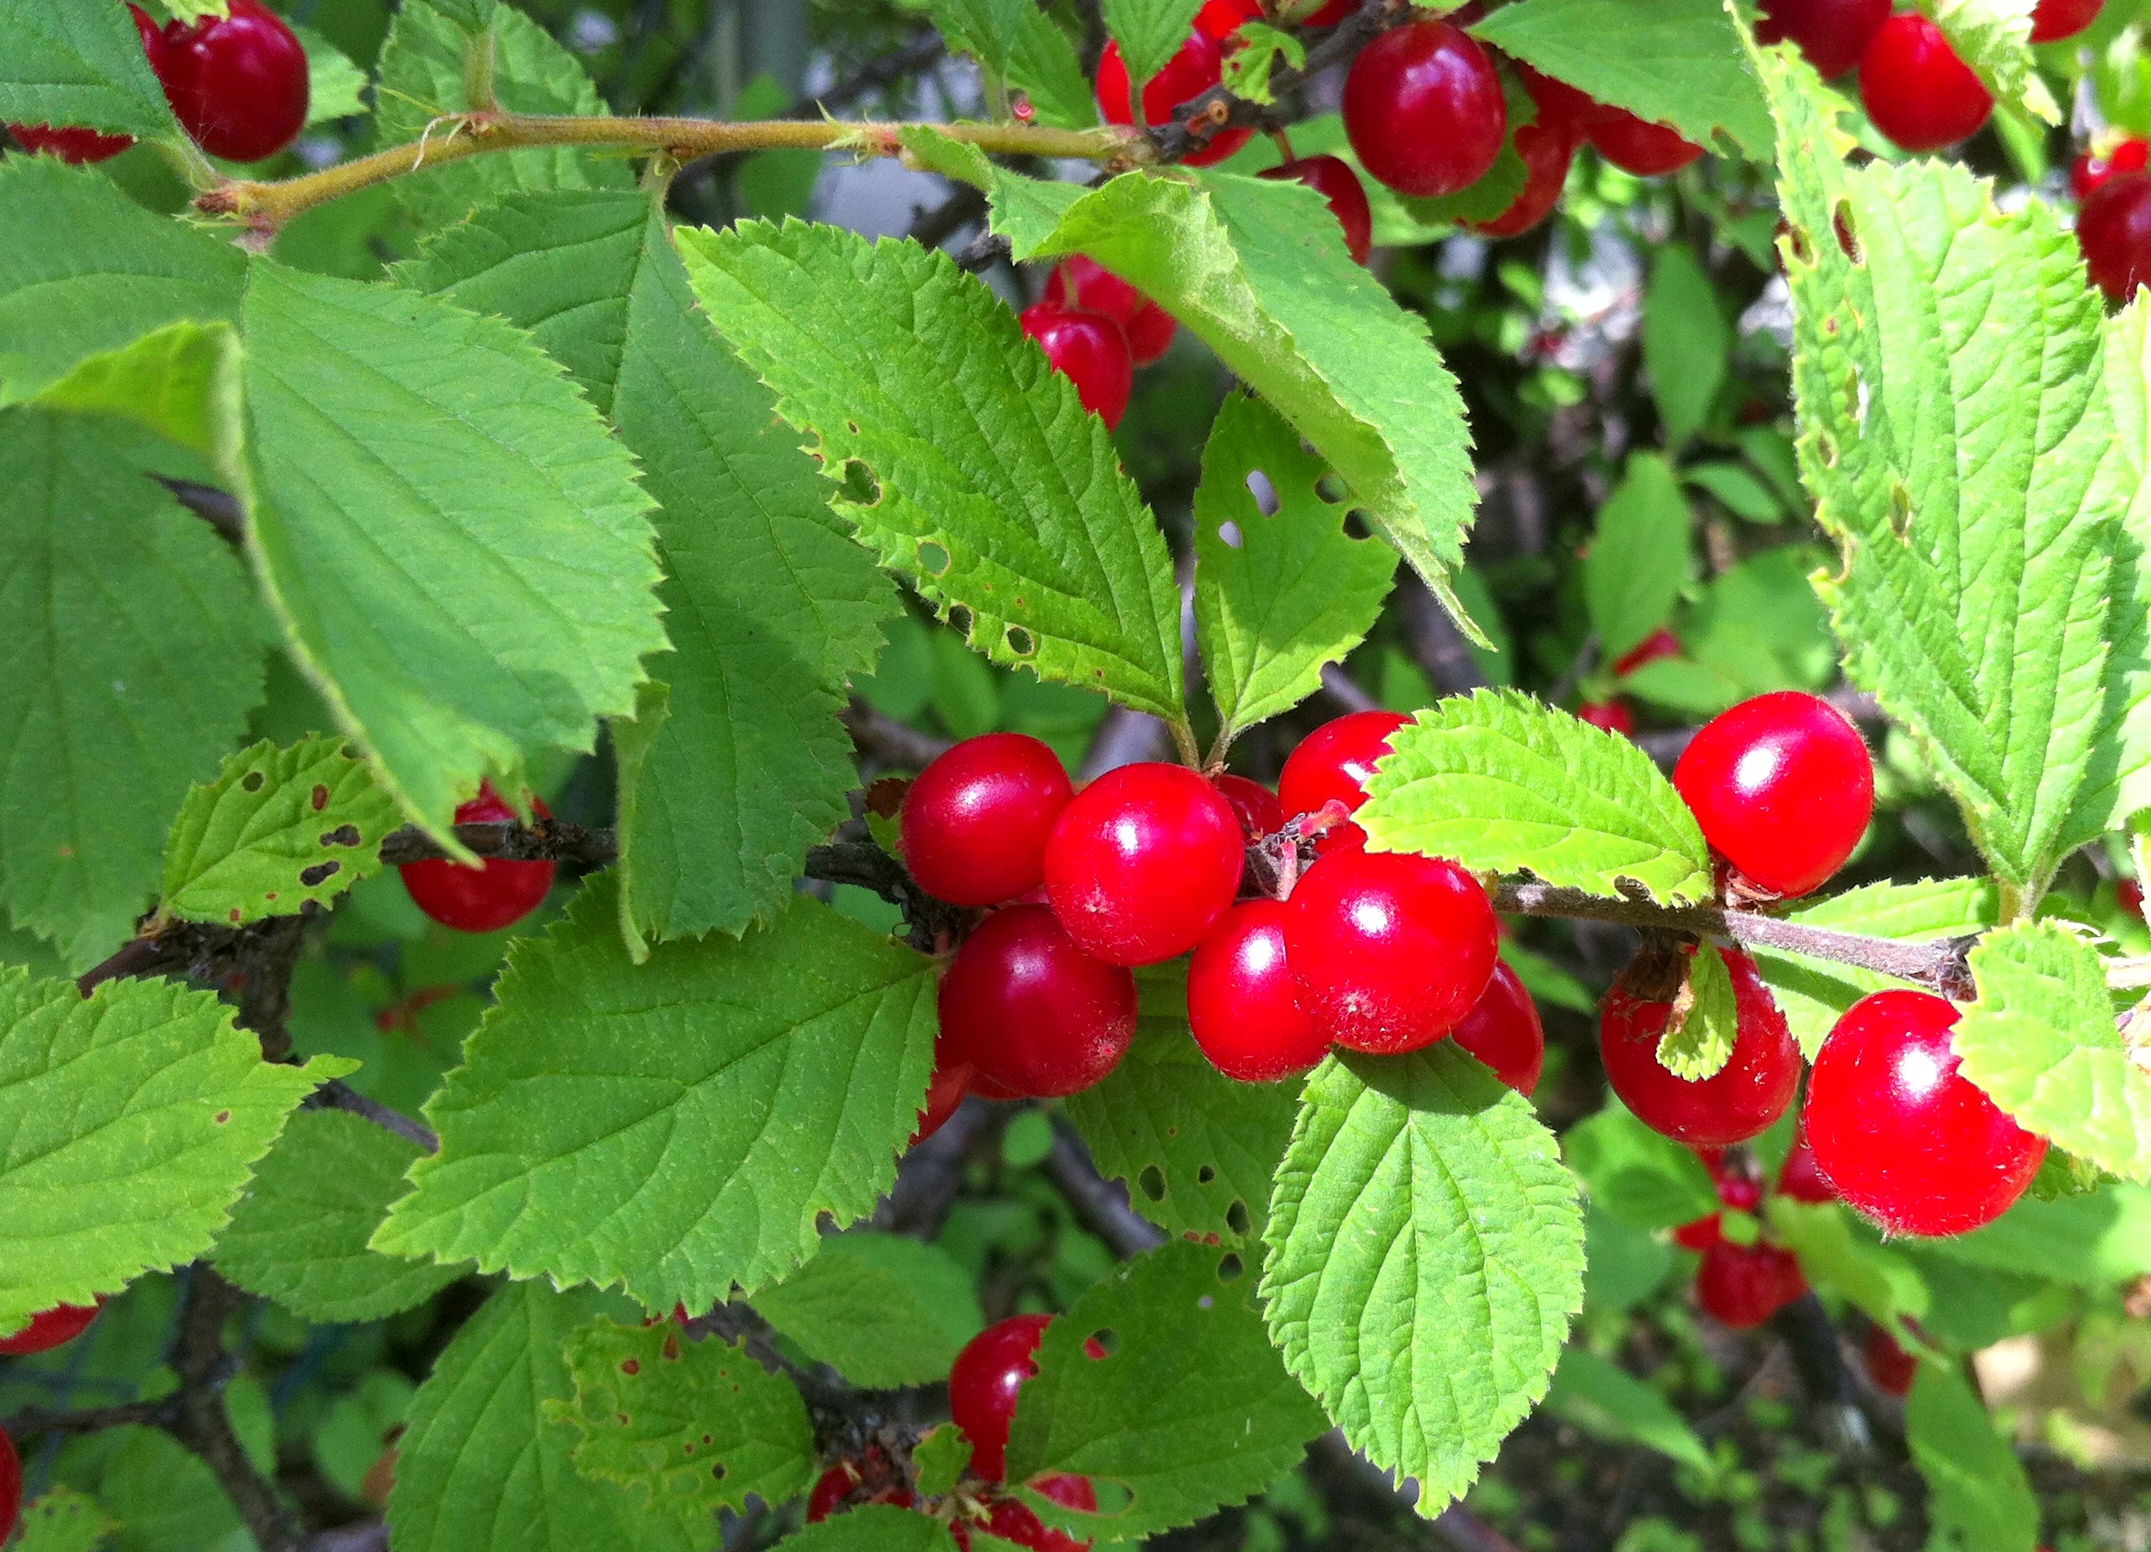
{"x":496,"y":893}
{"x":1096,"y":329}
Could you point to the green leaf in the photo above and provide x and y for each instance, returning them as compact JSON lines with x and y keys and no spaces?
{"x":883,"y":1310}
{"x":1978,"y":1497}
{"x":1499,"y":781}
{"x":1742,"y":491}
{"x":964,"y":460}
{"x":278,"y":827}
{"x":1189,"y":1410}
{"x":1277,"y":594}
{"x":1760,"y":627}
{"x":1196,"y":1148}
{"x":480,"y":1468}
{"x":1698,"y":1038}
{"x":1994,"y":38}
{"x":939,"y":1459}
{"x":63,"y":1520}
{"x":163,"y":1497}
{"x":1685,"y":343}
{"x":2093,"y":1240}
{"x":680,"y":1126}
{"x":1602,"y":1398}
{"x":1426,"y":1255}
{"x":80,"y":64}
{"x":874,"y":1528}
{"x":299,"y":1234}
{"x":335,"y":86}
{"x":769,"y":604}
{"x":1018,"y":42}
{"x":686,"y":1427}
{"x":1495,"y":190}
{"x":1839,"y":1251}
{"x":1678,"y":63}
{"x":1638,"y":560}
{"x":131,"y":1118}
{"x":1149,"y":32}
{"x":1636,"y":1176}
{"x":1955,"y":423}
{"x":1248,"y":66}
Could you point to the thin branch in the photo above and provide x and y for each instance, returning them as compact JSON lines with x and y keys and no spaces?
{"x":339,"y":1095}
{"x":1199,"y":119}
{"x":37,"y":1420}
{"x":1100,"y":1205}
{"x":219,"y":509}
{"x":888,"y":742}
{"x":200,"y":1421}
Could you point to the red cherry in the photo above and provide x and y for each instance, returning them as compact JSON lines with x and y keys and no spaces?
{"x":2129,"y":895}
{"x":1740,"y":1192}
{"x":495,"y":894}
{"x":1700,"y":1234}
{"x":983,"y":1383}
{"x":2113,"y":227}
{"x":1900,"y":1133}
{"x":2087,"y":172}
{"x":1218,"y":20}
{"x":10,"y":1486}
{"x":1198,"y":66}
{"x":1143,"y":863}
{"x":2053,"y":20}
{"x":1831,"y":33}
{"x":872,"y":1479}
{"x":1332,"y":177}
{"x":1557,"y":101}
{"x":1547,"y":150}
{"x":1032,"y":1013}
{"x":1742,"y":1100}
{"x":1503,"y":1030}
{"x":1257,"y":806}
{"x":945,"y":1093}
{"x":1091,"y":351}
{"x":1744,"y":1285}
{"x":975,"y":822}
{"x":831,"y":1488}
{"x":1799,"y":1178}
{"x":1613,"y":716}
{"x":1782,"y":787}
{"x":1638,"y":146}
{"x":76,"y":147}
{"x":1888,"y":1364}
{"x":1334,"y":762}
{"x":1242,"y":1004}
{"x":1013,"y":1520}
{"x":238,"y":83}
{"x":1084,"y":284}
{"x":1660,"y":643}
{"x":1389,"y":950}
{"x":1423,"y":109}
{"x":49,"y":1328}
{"x":1916,"y":89}
{"x":1331,"y":14}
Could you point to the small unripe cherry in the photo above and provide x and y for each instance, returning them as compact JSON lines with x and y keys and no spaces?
{"x":1198,"y":66}
{"x":238,"y":83}
{"x":2053,"y":20}
{"x":1547,"y":150}
{"x":2089,"y":170}
{"x":1900,"y":1133}
{"x":1389,"y":950}
{"x":1091,"y":351}
{"x":1332,"y":177}
{"x":1916,"y":89}
{"x":983,"y":1383}
{"x":1613,"y":716}
{"x":1503,"y":1030}
{"x":1332,"y":764}
{"x":10,"y":1486}
{"x":1423,"y":109}
{"x":1638,"y":146}
{"x":1082,"y":284}
{"x":1259,"y":811}
{"x":1143,"y":863}
{"x":1243,"y":1006}
{"x":2113,"y":228}
{"x":975,"y":822}
{"x":1782,"y":786}
{"x":1743,"y":1099}
{"x":1831,"y":33}
{"x":1890,"y":1367}
{"x":1742,"y":1286}
{"x":495,"y":894}
{"x":1030,"y":1012}
{"x":49,"y":1328}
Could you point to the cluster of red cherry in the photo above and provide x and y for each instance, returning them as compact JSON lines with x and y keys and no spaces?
{"x":983,"y":1383}
{"x":46,"y":1330}
{"x":238,"y":84}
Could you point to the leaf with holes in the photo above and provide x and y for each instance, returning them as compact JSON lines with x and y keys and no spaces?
{"x":64,"y":1520}
{"x":883,"y":1310}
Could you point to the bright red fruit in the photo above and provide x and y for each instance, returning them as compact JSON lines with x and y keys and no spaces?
{"x":1831,"y":33}
{"x":2113,"y":227}
{"x":1334,"y":762}
{"x":1638,"y":146}
{"x":1257,"y":806}
{"x":76,"y":147}
{"x":1916,"y":89}
{"x":975,"y":822}
{"x":1613,"y":716}
{"x":1330,"y":15}
{"x":1742,"y":1100}
{"x":871,"y":1479}
{"x":1557,"y":101}
{"x":237,"y":82}
{"x":1012,"y":1520}
{"x":1091,"y":351}
{"x":2053,"y":20}
{"x":1660,"y":643}
{"x":2087,"y":172}
{"x":1218,"y":20}
{"x":1032,"y":1013}
{"x":1423,"y":109}
{"x":1084,"y":284}
{"x":1744,"y":1285}
{"x":495,"y":894}
{"x":945,"y":1093}
{"x":1503,"y":1030}
{"x":2129,"y":895}
{"x":1547,"y":149}
{"x":1143,"y":863}
{"x":1389,"y":950}
{"x":1799,"y":1178}
{"x":10,"y":1486}
{"x":1198,"y":66}
{"x":1888,"y":1364}
{"x":1900,"y":1133}
{"x":1332,"y":177}
{"x":1782,"y":786}
{"x":49,"y":1328}
{"x":1700,"y":1234}
{"x":1242,"y":1004}
{"x":983,"y":1383}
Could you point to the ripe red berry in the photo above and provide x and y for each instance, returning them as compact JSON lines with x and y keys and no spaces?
{"x":1888,"y":1364}
{"x":1013,"y":1520}
{"x":10,"y":1486}
{"x":2113,"y":227}
{"x":945,"y":1093}
{"x":2129,"y":895}
{"x":49,"y":1328}
{"x":871,"y":1479}
{"x":1257,"y":806}
{"x":1742,"y":1099}
{"x":1143,"y":863}
{"x":1782,"y":787}
{"x":1503,"y":1030}
{"x":1613,"y":716}
{"x":1332,"y":177}
{"x":1660,"y":643}
{"x":495,"y":894}
{"x":1242,"y":1004}
{"x":1423,"y":109}
{"x":1831,"y":33}
{"x":2088,"y":171}
{"x":1032,"y":1013}
{"x":1389,"y":950}
{"x":1218,"y":20}
{"x":1091,"y":351}
{"x":1744,"y":1285}
{"x":831,"y":1488}
{"x":1638,"y":146}
{"x":983,"y":1383}
{"x":1333,"y":763}
{"x":1799,"y":1178}
{"x":1900,"y":1133}
{"x":1558,"y":102}
{"x":1331,"y":14}
{"x":1916,"y":89}
{"x":1085,"y":285}
{"x":76,"y":147}
{"x":2053,"y":20}
{"x":1699,"y":1234}
{"x":975,"y":822}
{"x":1198,"y":66}
{"x":1547,"y":150}
{"x":238,"y":82}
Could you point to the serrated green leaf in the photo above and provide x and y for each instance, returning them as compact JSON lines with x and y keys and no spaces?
{"x":962,"y":458}
{"x":1978,"y":1496}
{"x":1602,"y":1398}
{"x":686,"y":1427}
{"x":1189,"y":1410}
{"x":1196,"y":1148}
{"x":1248,"y":66}
{"x":875,"y":1528}
{"x":71,"y":64}
{"x":1277,"y":594}
{"x":680,"y":1126}
{"x":1638,"y":560}
{"x":1426,"y":1255}
{"x":1635,"y":1175}
{"x":1698,"y":1038}
{"x":939,"y":1459}
{"x":277,"y":828}
{"x":1678,"y":63}
{"x":1685,"y":343}
{"x":1149,"y":32}
{"x":883,"y":1310}
{"x":299,"y":1234}
{"x":480,"y":1468}
{"x":1498,"y":781}
{"x":335,"y":86}
{"x":163,"y":1497}
{"x":1016,"y":41}
{"x":1994,"y":38}
{"x":130,"y":1119}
